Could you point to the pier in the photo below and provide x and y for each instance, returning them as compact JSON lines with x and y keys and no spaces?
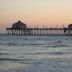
{"x":20,"y":28}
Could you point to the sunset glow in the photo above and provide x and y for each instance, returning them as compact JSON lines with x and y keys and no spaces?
{"x":35,"y":12}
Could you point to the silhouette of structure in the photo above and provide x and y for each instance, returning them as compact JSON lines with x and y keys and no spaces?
{"x":19,"y":25}
{"x":17,"y":28}
{"x":70,"y":29}
{"x":20,"y":28}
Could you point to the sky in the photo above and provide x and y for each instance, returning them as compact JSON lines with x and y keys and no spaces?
{"x":47,"y":13}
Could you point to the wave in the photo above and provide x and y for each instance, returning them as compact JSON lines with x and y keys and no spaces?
{"x":57,"y":53}
{"x":4,"y":54}
{"x":39,"y":53}
{"x":49,"y":44}
{"x":8,"y":59}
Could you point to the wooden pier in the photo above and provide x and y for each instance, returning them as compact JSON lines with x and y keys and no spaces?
{"x":20,"y":28}
{"x":36,"y":31}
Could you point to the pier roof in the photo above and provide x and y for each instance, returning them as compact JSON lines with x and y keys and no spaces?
{"x":19,"y":25}
{"x":70,"y":26}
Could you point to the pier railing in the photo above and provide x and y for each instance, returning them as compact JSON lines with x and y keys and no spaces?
{"x":38,"y":31}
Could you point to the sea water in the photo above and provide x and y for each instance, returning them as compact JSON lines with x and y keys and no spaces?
{"x":35,"y":53}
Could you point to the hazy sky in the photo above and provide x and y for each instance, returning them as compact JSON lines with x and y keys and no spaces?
{"x":35,"y":12}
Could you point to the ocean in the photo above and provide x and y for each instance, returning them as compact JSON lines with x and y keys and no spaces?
{"x":35,"y":53}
